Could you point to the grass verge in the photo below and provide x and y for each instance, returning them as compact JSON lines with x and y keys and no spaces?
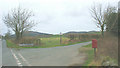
{"x":90,"y":60}
{"x":88,"y":50}
{"x":11,"y":45}
{"x":90,"y":53}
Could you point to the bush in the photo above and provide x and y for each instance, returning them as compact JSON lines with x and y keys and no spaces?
{"x":83,"y":37}
{"x":30,"y":40}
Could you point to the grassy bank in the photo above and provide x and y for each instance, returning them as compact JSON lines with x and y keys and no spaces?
{"x":90,"y":60}
{"x":11,"y":44}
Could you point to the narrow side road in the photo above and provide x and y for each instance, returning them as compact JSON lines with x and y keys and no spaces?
{"x":54,"y":56}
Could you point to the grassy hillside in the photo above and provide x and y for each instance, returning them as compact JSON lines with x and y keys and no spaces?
{"x":33,"y":34}
{"x":83,"y":32}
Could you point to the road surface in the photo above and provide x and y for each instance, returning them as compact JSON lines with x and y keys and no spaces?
{"x":54,"y":56}
{"x":7,"y":57}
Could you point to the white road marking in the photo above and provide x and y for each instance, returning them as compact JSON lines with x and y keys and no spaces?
{"x":17,"y":60}
{"x":24,"y":59}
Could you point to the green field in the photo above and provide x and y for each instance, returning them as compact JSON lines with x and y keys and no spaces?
{"x":46,"y":42}
{"x":53,"y":41}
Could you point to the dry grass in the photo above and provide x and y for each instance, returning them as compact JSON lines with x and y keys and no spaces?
{"x":107,"y":51}
{"x":27,"y":40}
{"x":94,"y":63}
{"x":108,"y":46}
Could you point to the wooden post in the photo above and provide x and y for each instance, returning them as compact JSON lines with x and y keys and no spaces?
{"x":39,"y":41}
{"x":95,"y":52}
{"x":60,"y":38}
{"x":36,"y":42}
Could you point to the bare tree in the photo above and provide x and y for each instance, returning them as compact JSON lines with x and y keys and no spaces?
{"x":97,"y":13}
{"x":19,"y":21}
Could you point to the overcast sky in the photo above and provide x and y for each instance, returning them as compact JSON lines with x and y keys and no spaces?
{"x":55,"y":16}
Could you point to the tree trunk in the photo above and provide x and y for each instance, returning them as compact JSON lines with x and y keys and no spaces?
{"x":60,"y":38}
{"x":102,"y":31}
{"x":21,"y":34}
{"x":17,"y":37}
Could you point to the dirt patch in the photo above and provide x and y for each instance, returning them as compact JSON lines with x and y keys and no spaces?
{"x":78,"y":60}
{"x":81,"y":55}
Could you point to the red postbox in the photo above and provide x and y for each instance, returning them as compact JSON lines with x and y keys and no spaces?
{"x":94,"y":43}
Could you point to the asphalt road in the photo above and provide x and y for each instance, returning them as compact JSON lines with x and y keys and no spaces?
{"x":7,"y":57}
{"x":55,"y":56}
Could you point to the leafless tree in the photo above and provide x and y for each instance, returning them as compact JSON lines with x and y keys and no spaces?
{"x":97,"y":13}
{"x":19,"y":21}
{"x":104,"y":17}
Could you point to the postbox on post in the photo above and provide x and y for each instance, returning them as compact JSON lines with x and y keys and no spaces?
{"x":94,"y":45}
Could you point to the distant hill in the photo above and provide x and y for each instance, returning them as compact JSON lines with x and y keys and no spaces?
{"x":94,"y":32}
{"x":33,"y":33}
{"x":81,"y":32}
{"x":74,"y":32}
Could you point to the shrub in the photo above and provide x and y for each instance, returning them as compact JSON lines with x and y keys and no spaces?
{"x":83,"y":37}
{"x":30,"y":40}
